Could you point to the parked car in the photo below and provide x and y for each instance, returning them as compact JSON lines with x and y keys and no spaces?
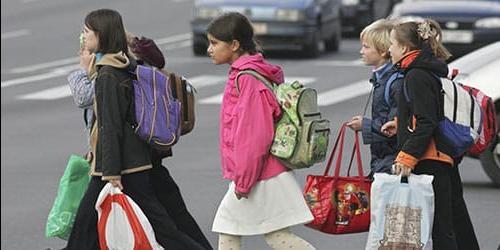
{"x":479,"y":69}
{"x":467,"y":25}
{"x":357,"y":14}
{"x":278,"y":25}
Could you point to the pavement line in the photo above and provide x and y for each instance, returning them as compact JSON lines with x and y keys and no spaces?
{"x":337,"y":95}
{"x":162,"y":41}
{"x":206,"y":80}
{"x":63,"y":91}
{"x":217,"y":99}
{"x":49,"y":94}
{"x":15,"y":33}
{"x":178,"y":45}
{"x":352,"y":63}
{"x":53,"y":74}
{"x":40,"y":66}
{"x":174,"y":38}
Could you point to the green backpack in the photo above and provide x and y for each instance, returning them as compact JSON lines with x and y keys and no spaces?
{"x":301,"y":135}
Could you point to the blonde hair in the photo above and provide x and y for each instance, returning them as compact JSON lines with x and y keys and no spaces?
{"x":377,"y":34}
{"x":415,"y":35}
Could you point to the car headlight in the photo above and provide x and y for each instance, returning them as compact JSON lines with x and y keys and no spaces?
{"x":350,"y":2}
{"x":488,"y":23}
{"x":291,"y":15}
{"x":207,"y":13}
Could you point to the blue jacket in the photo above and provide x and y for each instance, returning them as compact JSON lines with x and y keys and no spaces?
{"x":383,"y":149}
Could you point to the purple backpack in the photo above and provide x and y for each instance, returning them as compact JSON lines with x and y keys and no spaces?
{"x":157,"y":112}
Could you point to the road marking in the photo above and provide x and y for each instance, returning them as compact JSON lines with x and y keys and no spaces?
{"x":344,"y":93}
{"x":40,"y":66}
{"x":63,"y":91}
{"x":53,"y":74}
{"x":49,"y":94}
{"x":178,"y":45}
{"x":338,"y":63}
{"x":174,"y":38}
{"x":180,"y":38}
{"x":217,"y":99}
{"x":329,"y":97}
{"x":15,"y":33}
{"x":206,"y":80}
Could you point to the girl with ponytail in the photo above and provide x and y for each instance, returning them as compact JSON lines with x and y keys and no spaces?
{"x":416,"y":50}
{"x":263,"y":197}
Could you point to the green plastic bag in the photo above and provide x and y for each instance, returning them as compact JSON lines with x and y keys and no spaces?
{"x":72,"y":187}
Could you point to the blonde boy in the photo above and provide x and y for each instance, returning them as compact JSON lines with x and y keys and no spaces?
{"x":386,"y":84}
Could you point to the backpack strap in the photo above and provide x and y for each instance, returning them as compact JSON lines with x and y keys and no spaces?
{"x":388,"y":84}
{"x":259,"y":77}
{"x":405,"y":91}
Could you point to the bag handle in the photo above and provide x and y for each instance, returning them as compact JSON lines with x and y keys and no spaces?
{"x":340,"y":138}
{"x":356,"y":151}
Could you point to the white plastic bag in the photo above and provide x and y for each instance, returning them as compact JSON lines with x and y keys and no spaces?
{"x":122,"y":225}
{"x":401,"y":213}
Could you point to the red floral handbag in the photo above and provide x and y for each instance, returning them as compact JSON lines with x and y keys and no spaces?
{"x":340,"y":204}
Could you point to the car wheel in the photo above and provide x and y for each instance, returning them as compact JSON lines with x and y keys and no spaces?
{"x":333,"y":43}
{"x":312,"y":49}
{"x":490,"y":159}
{"x":199,"y":49}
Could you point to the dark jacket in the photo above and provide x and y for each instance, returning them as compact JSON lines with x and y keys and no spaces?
{"x":118,"y":149}
{"x":418,"y":118}
{"x":383,"y":149}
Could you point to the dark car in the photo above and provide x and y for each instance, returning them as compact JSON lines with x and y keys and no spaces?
{"x":278,"y":25}
{"x":467,"y":25}
{"x":357,"y":14}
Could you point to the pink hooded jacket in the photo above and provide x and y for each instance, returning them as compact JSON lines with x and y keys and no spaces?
{"x":247,"y":124}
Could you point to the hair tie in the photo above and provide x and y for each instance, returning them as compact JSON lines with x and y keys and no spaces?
{"x":425,"y":31}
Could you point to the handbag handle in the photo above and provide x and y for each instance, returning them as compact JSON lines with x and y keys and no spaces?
{"x":356,"y":151}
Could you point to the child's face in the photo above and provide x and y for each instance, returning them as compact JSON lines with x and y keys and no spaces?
{"x":91,"y":39}
{"x":221,"y":52}
{"x":396,"y":49}
{"x":370,"y":55}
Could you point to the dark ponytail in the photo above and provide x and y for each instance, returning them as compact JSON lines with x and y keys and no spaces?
{"x":234,"y":26}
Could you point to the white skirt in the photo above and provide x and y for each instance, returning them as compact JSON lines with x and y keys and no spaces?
{"x":272,"y":204}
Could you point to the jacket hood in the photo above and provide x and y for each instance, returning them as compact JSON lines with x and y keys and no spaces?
{"x":424,"y":60}
{"x":117,"y":60}
{"x":256,"y":62}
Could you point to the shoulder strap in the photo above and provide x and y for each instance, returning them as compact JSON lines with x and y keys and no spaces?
{"x":388,"y":84}
{"x":256,"y":75}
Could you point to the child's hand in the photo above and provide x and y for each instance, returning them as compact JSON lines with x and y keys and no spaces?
{"x":401,"y":169}
{"x":85,"y":59}
{"x":389,"y":129}
{"x":355,"y":123}
{"x":240,"y":195}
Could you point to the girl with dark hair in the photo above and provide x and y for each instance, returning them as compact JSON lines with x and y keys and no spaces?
{"x":416,"y":50}
{"x":120,"y":156}
{"x":144,"y":51}
{"x":272,"y":200}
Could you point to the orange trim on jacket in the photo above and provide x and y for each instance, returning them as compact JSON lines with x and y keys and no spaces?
{"x":430,"y":154}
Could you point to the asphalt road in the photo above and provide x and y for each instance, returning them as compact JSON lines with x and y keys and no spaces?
{"x":41,"y":126}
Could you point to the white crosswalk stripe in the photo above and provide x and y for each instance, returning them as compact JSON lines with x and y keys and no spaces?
{"x":344,"y":93}
{"x":49,"y":94}
{"x":206,"y":80}
{"x":325,"y":98}
{"x":64,"y":91}
{"x":217,"y":99}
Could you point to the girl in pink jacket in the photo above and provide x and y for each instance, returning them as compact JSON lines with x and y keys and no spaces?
{"x":272,"y":200}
